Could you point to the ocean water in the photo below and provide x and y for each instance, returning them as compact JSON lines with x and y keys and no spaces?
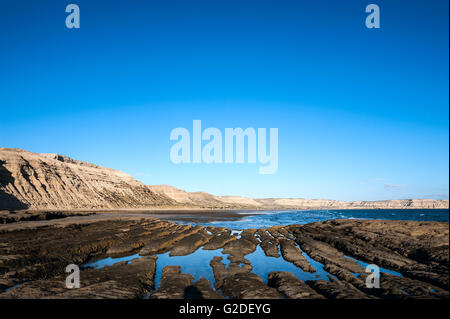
{"x":263,"y":219}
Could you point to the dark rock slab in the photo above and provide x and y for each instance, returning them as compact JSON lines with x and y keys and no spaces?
{"x":336,"y":289}
{"x":158,"y":244}
{"x":327,"y":254}
{"x":242,"y":246}
{"x":131,"y":242}
{"x":248,"y":286}
{"x":292,"y":287}
{"x":281,"y":232}
{"x":238,"y":283}
{"x":220,"y":239}
{"x":292,"y":254}
{"x":173,"y":284}
{"x":202,"y":289}
{"x":220,"y":271}
{"x":268,"y":243}
{"x":407,"y":288}
{"x":190,"y":244}
{"x":345,"y":275}
{"x":176,"y":285}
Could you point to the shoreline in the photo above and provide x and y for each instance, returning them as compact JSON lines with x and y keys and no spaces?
{"x":15,"y":220}
{"x":153,"y":210}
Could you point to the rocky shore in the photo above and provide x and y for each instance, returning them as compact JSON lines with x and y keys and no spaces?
{"x":33,"y":259}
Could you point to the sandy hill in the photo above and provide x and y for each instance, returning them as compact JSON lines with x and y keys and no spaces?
{"x":189,"y":199}
{"x":52,"y":181}
{"x":208,"y":200}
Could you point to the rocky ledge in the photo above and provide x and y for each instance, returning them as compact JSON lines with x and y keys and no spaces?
{"x":33,"y":260}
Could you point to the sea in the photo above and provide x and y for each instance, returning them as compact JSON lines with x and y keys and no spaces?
{"x":264,"y":219}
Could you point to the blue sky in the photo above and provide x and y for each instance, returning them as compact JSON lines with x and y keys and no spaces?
{"x":362,"y":113}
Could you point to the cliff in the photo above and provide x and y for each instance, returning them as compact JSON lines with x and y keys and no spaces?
{"x":51,"y":181}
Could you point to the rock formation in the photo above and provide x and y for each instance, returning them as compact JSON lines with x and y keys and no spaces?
{"x":50,"y":181}
{"x":33,"y":260}
{"x":205,"y":200}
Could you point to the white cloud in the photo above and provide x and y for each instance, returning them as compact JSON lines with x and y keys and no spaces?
{"x":394,"y":187}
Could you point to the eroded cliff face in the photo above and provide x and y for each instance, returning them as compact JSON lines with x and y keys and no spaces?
{"x":193,"y":199}
{"x":50,"y":181}
{"x":205,"y":200}
{"x":299,"y":203}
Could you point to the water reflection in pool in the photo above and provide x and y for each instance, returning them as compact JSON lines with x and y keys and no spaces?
{"x":364,"y":265}
{"x":109,"y":261}
{"x":263,"y":265}
{"x":197,"y":264}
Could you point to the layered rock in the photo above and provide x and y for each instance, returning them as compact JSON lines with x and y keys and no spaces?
{"x":205,"y":200}
{"x":291,"y":286}
{"x":120,"y":281}
{"x":50,"y":181}
{"x":33,"y":259}
{"x":188,"y":199}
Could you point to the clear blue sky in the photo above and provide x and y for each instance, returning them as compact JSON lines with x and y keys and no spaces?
{"x":362,"y":114}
